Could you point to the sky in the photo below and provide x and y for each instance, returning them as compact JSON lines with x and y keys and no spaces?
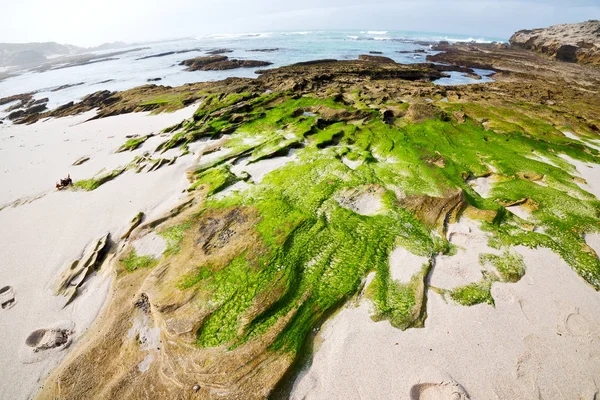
{"x":87,"y":23}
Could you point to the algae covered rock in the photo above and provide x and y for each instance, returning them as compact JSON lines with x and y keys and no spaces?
{"x":355,"y":158}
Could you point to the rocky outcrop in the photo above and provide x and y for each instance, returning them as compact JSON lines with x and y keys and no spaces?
{"x":71,"y":278}
{"x":215,"y":52}
{"x":167,"y":53}
{"x":566,"y":42}
{"x":220,"y":63}
{"x":378,"y":59}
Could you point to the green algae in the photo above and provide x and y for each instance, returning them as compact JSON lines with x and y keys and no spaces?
{"x":474,"y":293}
{"x":509,"y":265}
{"x":95,"y":183}
{"x":174,"y":236}
{"x":134,"y":262}
{"x":316,"y":253}
{"x":133,"y":143}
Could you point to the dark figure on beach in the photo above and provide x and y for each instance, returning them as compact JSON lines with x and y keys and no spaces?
{"x":64,"y":182}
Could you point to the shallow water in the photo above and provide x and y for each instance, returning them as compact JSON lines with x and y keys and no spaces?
{"x":128,"y":70}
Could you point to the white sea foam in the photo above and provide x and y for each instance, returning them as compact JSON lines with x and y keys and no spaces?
{"x":353,"y":37}
{"x":235,"y":35}
{"x":456,"y":40}
{"x":377,"y":32}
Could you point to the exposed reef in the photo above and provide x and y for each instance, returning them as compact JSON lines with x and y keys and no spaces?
{"x":565,"y":42}
{"x":306,"y":180}
{"x":220,"y":63}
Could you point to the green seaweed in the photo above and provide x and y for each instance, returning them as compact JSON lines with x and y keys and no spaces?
{"x":509,"y":265}
{"x":315,"y":253}
{"x":134,"y":262}
{"x":95,"y":183}
{"x":132,"y":144}
{"x":474,"y":293}
{"x":173,"y":236}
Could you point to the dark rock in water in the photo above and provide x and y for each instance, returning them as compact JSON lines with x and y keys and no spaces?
{"x":67,"y":86}
{"x":219,"y":63}
{"x":199,"y":63}
{"x":23,"y":98}
{"x":168,"y":53}
{"x":473,"y":76}
{"x":377,"y":59}
{"x":154,"y":79}
{"x":376,"y":52}
{"x":419,"y":51}
{"x":215,"y":52}
{"x":264,"y":50}
{"x":315,"y":62}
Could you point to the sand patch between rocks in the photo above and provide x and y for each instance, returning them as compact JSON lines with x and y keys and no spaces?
{"x":506,"y":352}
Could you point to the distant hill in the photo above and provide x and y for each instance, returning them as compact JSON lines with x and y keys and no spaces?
{"x":32,"y":54}
{"x":25,"y":54}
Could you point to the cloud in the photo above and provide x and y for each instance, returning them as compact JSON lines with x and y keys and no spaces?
{"x":91,"y":23}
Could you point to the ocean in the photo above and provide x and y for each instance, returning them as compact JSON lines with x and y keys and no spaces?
{"x":131,"y":69}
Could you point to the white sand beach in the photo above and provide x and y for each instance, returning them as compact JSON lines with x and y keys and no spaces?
{"x":542,"y":340}
{"x":43,"y":230}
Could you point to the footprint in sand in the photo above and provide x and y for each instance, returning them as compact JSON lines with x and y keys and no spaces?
{"x":438,"y":391}
{"x":44,"y":339}
{"x":7,"y":297}
{"x":578,"y":325}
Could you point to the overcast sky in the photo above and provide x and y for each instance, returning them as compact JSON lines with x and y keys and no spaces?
{"x":88,"y":23}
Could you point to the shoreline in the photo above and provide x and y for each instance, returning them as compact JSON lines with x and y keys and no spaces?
{"x":243,"y":154}
{"x":50,"y":231}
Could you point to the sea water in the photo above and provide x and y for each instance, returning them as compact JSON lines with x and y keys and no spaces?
{"x":130,"y":69}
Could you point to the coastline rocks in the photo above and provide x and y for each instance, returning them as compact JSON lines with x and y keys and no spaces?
{"x":377,"y":59}
{"x":168,"y":53}
{"x":566,"y":42}
{"x":69,"y":281}
{"x":62,"y":87}
{"x":219,"y":51}
{"x":21,"y":98}
{"x":220,"y":63}
{"x":263,"y":50}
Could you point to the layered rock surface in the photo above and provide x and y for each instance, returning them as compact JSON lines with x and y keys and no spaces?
{"x":355,"y":158}
{"x":565,"y":42}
